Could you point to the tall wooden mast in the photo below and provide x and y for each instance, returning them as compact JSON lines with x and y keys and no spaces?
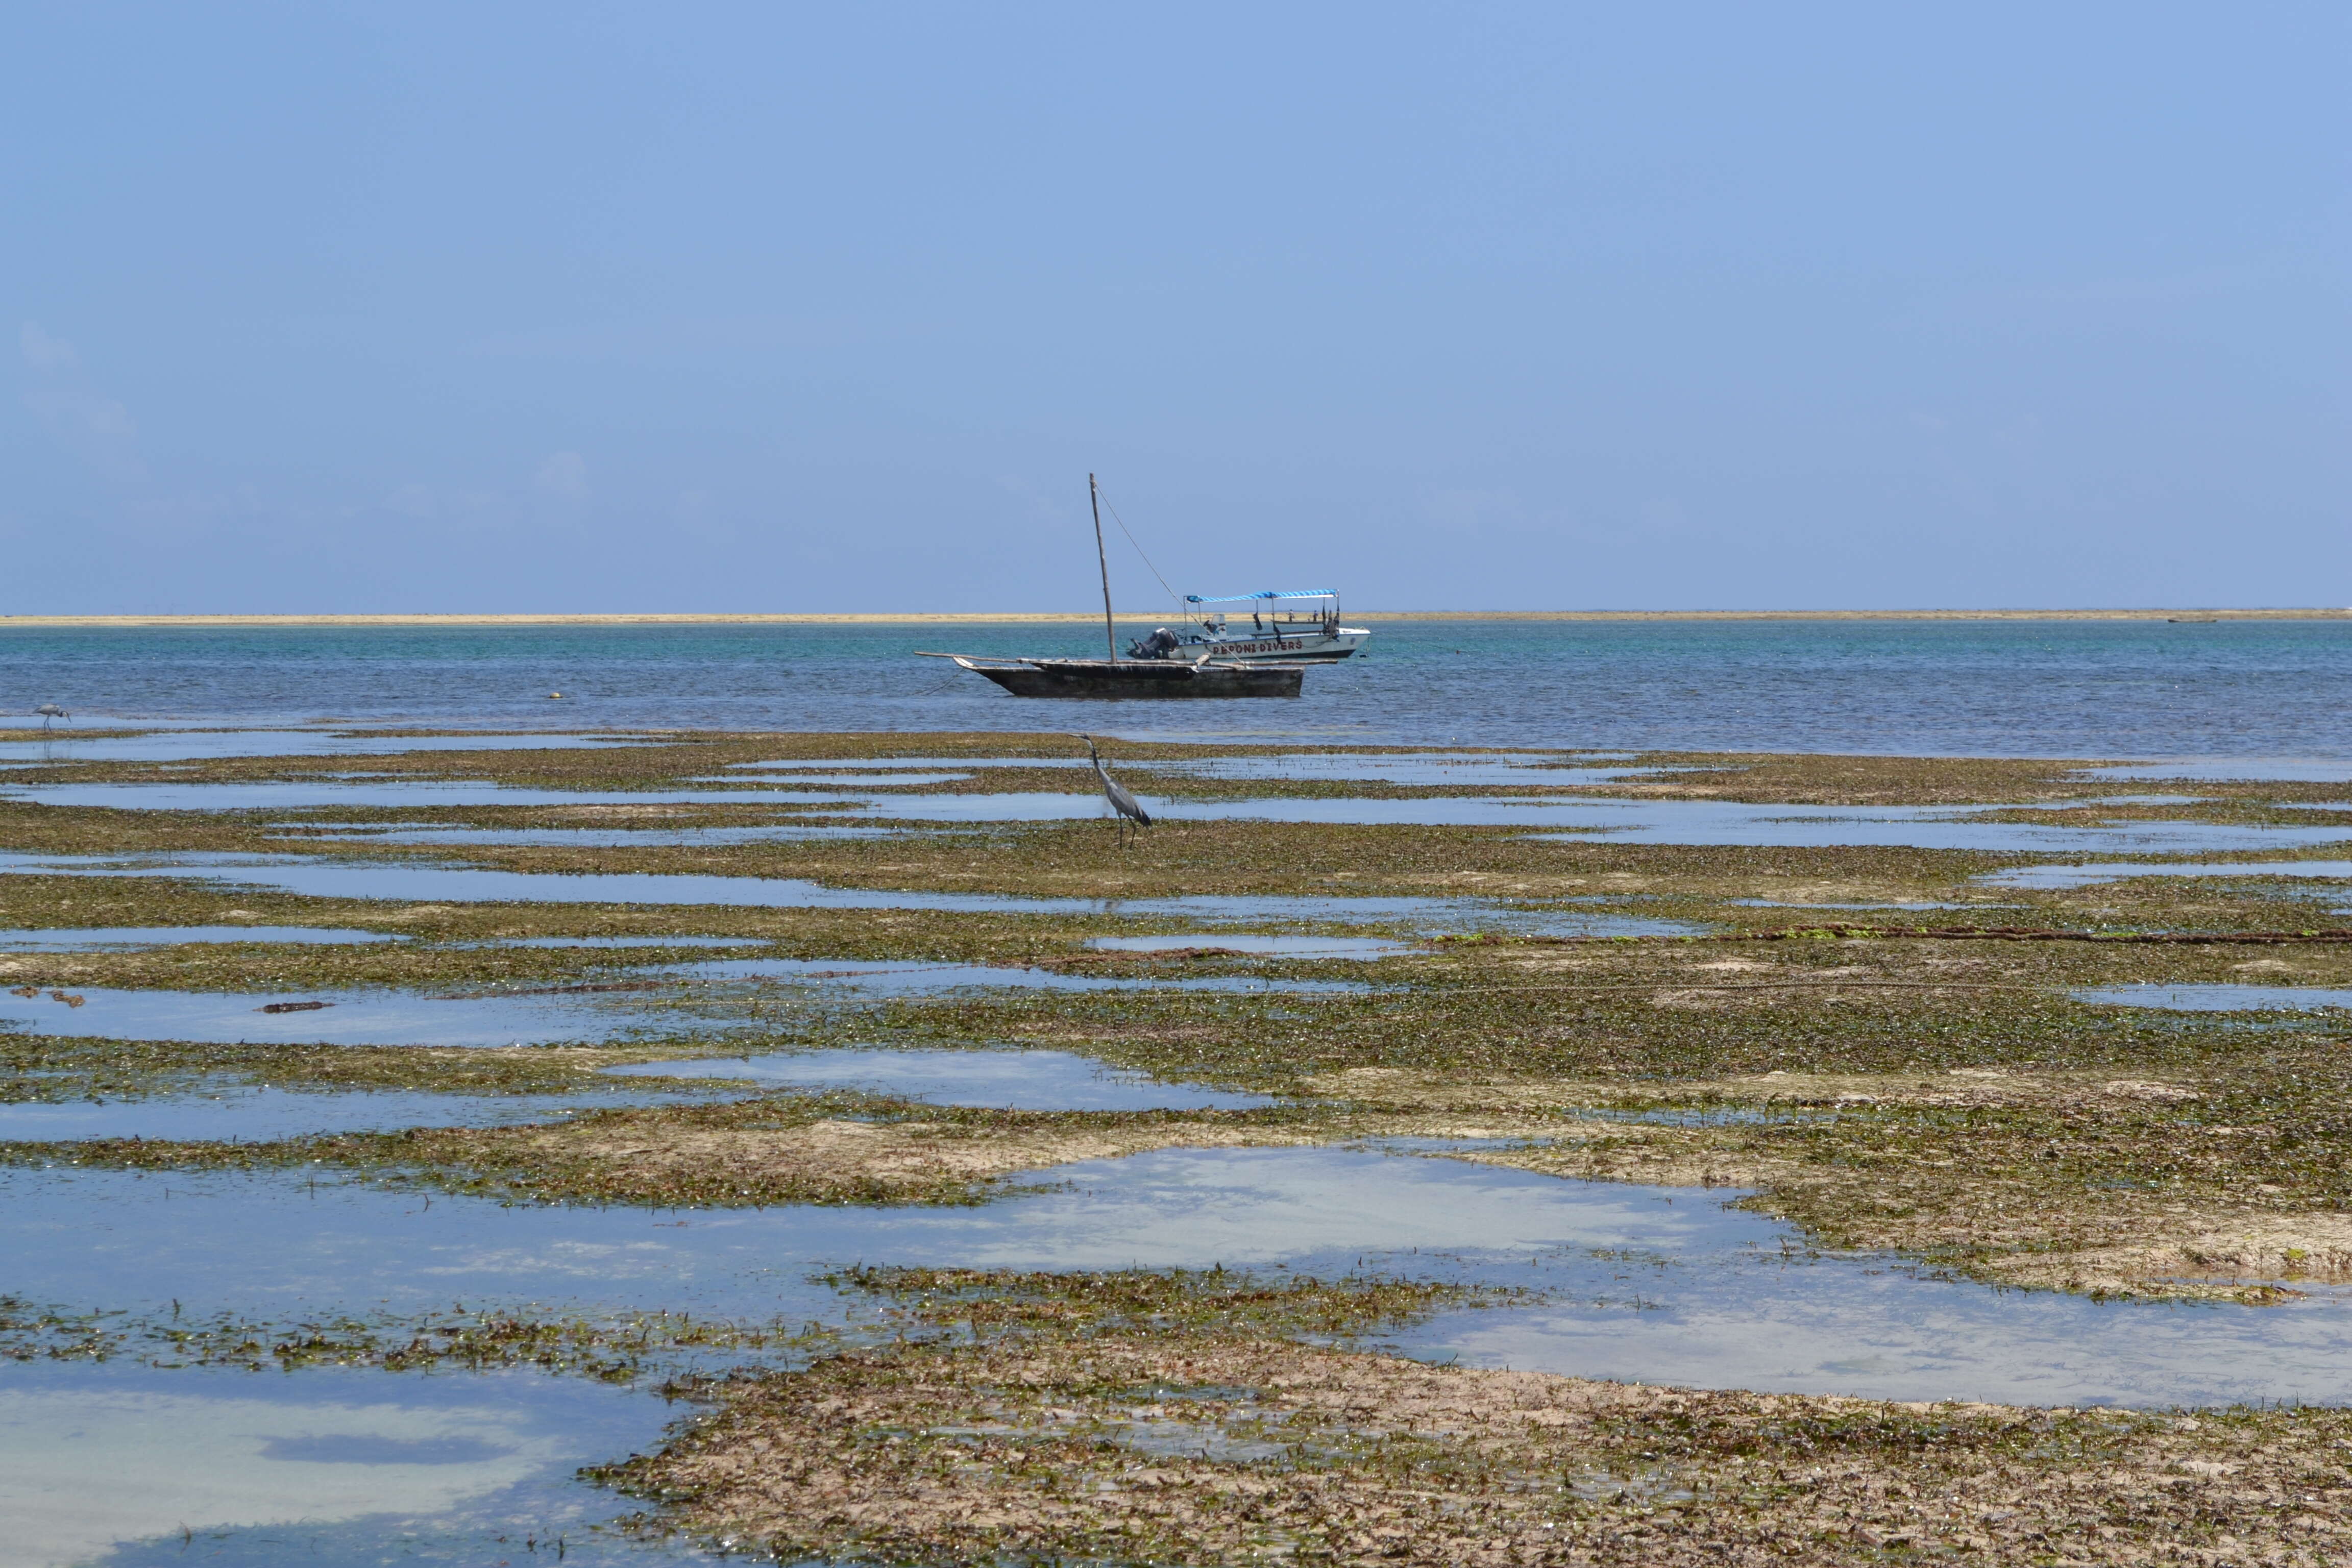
{"x":1111,"y":637}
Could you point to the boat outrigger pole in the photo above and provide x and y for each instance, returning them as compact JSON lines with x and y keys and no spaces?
{"x":1093,"y":499}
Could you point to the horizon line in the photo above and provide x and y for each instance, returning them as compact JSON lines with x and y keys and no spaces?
{"x":980,"y":617}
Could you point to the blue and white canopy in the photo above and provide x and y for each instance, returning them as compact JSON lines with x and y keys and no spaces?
{"x":1262,"y":593}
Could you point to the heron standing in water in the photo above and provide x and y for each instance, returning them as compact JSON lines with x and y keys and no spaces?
{"x":1128,"y":808}
{"x":50,"y":714}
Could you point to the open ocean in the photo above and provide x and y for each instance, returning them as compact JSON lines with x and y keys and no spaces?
{"x":2075,"y":688}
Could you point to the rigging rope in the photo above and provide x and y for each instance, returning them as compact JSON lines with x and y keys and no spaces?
{"x":1173,"y":597}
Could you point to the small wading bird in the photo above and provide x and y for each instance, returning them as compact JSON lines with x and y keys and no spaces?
{"x":50,"y":714}
{"x":1128,"y":808}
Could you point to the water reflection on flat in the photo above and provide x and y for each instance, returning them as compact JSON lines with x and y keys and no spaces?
{"x":1641,"y":821}
{"x":1330,"y":947}
{"x":996,"y":1079}
{"x":1907,"y":904}
{"x":827,"y":766}
{"x":632,"y":1008}
{"x":2115,"y":871}
{"x":2254,"y":770}
{"x":1648,"y":1284}
{"x":899,"y":978}
{"x":1731,"y":823}
{"x":2216,"y":998}
{"x":842,"y":780}
{"x":599,"y":837}
{"x":121,"y":1465}
{"x":248,"y":1114}
{"x":200,"y":745}
{"x":349,"y":1017}
{"x":618,"y":942}
{"x":81,"y":938}
{"x":313,"y":878}
{"x":1549,"y":769}
{"x":297,"y":795}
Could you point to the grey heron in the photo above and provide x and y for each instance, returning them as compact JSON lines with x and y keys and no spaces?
{"x":50,"y":714}
{"x":1128,"y":808}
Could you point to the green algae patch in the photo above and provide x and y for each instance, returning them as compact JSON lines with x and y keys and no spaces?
{"x":623,"y":1349}
{"x":840,"y":1148}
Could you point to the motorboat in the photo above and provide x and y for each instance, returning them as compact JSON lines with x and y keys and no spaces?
{"x":1284,"y":626}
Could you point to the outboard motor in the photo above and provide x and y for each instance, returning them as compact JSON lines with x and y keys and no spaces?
{"x":1160,"y":644}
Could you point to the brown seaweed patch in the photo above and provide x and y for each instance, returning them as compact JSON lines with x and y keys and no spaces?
{"x":1173,"y":1432}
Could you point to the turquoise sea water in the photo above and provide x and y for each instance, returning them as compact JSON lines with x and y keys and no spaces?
{"x":2034,"y":688}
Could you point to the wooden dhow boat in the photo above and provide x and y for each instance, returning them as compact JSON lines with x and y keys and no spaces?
{"x":1116,"y":678}
{"x":1197,"y":672}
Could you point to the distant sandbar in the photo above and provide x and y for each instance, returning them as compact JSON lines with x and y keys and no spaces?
{"x":1051,"y":617}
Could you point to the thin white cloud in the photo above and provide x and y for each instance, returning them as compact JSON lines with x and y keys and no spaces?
{"x":81,"y":414}
{"x":43,"y":352}
{"x":413,"y":500}
{"x":95,"y":428}
{"x":566,"y":476}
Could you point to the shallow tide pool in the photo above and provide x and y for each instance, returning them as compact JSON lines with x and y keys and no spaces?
{"x":1362,"y":948}
{"x":1645,"y":1283}
{"x":122,"y":1465}
{"x":208,"y":745}
{"x":2117,"y":871}
{"x":2216,"y":998}
{"x":354,"y":1018}
{"x":1645,"y":821}
{"x":248,"y":1114}
{"x":77,"y":939}
{"x":912,"y":978}
{"x":2210,"y":770}
{"x":996,"y":1079}
{"x":314,"y":877}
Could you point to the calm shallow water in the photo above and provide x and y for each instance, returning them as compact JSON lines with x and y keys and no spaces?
{"x":452,"y":884}
{"x":369,"y":1017}
{"x":2294,"y":770}
{"x":376,"y":1466}
{"x":607,"y":837}
{"x":2085,"y":876}
{"x":1532,"y":770}
{"x":188,"y":746}
{"x":245,"y":1113}
{"x":2216,"y":998}
{"x":83,"y":938}
{"x":1336,"y":947}
{"x":1685,"y":822}
{"x":2119,"y":689}
{"x":1549,"y":771}
{"x":391,"y":1017}
{"x":1640,"y":1283}
{"x":1006,"y":1080}
{"x":619,"y":941}
{"x":888,"y":978}
{"x":1712,"y":822}
{"x":299,"y":794}
{"x":1692,"y":822}
{"x":1658,"y":1285}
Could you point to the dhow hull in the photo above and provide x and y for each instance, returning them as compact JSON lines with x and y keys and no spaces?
{"x":1140,"y":679}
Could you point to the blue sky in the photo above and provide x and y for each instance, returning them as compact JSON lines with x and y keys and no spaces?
{"x":582,"y":306}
